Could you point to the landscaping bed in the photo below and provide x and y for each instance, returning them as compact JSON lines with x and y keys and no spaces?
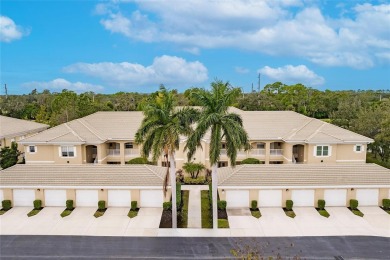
{"x":3,"y":211}
{"x":289,"y":213}
{"x":99,"y":213}
{"x":182,"y":213}
{"x":66,"y":212}
{"x":34,"y":212}
{"x":387,"y":210}
{"x":255,"y":213}
{"x":323,"y":212}
{"x":357,"y":212}
{"x":133,"y":213}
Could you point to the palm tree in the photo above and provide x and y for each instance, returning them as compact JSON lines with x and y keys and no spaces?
{"x":215,"y":117}
{"x":160,"y":133}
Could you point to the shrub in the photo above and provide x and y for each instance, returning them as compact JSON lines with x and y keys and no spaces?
{"x":134,"y":205}
{"x":254,"y":204}
{"x":6,"y":204}
{"x":385,"y":203}
{"x":289,"y":204}
{"x":37,"y":204}
{"x":210,"y":194}
{"x":102,"y":204}
{"x":139,"y":160}
{"x":321,"y":204}
{"x":167,"y":205}
{"x":353,"y":204}
{"x":191,"y":181}
{"x":250,"y":161}
{"x":221,"y":204}
{"x":69,"y":204}
{"x":178,"y":195}
{"x":223,"y":223}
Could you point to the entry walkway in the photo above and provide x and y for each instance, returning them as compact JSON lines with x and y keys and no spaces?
{"x":194,"y":205}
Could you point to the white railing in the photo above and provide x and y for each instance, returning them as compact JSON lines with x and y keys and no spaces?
{"x":258,"y":152}
{"x":113,"y":152}
{"x":276,"y":152}
{"x":241,"y":153}
{"x":223,"y":152}
{"x":131,"y":152}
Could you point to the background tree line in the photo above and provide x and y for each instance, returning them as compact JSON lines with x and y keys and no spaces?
{"x":364,"y":111}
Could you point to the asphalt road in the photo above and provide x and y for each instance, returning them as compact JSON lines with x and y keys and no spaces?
{"x":79,"y":247}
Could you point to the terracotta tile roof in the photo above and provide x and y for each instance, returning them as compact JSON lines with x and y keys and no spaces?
{"x":12,"y":127}
{"x":82,"y":175}
{"x":304,"y":175}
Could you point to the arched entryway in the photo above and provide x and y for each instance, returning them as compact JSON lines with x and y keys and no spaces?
{"x":298,"y":153}
{"x":91,"y":154}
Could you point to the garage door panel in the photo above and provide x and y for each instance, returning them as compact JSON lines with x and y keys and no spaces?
{"x":303,"y":198}
{"x":151,"y":198}
{"x":23,"y":198}
{"x":270,"y":198}
{"x":1,"y":195}
{"x":55,"y":198}
{"x":367,"y":197}
{"x":87,"y":198}
{"x":335,"y":197}
{"x":119,"y":198}
{"x":237,"y":198}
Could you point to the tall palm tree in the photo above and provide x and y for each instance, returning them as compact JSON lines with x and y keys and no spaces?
{"x":215,"y":117}
{"x":160,"y":131}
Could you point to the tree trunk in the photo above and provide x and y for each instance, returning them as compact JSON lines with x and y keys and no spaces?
{"x":173,"y":189}
{"x":214,"y":184}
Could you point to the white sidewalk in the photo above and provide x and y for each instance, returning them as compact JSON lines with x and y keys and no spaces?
{"x":194,"y":205}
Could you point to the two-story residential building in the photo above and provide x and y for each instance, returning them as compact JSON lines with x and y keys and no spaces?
{"x":15,"y":130}
{"x":305,"y":159}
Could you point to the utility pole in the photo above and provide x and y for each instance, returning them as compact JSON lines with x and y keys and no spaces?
{"x":252,"y":87}
{"x":259,"y":82}
{"x":6,"y":91}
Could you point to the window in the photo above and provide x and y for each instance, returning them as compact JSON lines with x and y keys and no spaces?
{"x":223,"y":145}
{"x":129,"y":145}
{"x":222,"y":164}
{"x":260,"y":146}
{"x":322,"y":150}
{"x":67,"y":151}
{"x":32,"y":149}
{"x":358,"y":148}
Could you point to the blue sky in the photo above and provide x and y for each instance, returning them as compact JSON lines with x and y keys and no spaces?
{"x":124,"y":45}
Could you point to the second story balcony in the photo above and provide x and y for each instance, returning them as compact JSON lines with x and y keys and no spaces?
{"x":131,"y":152}
{"x":113,"y":152}
{"x":257,"y":152}
{"x":276,"y":152}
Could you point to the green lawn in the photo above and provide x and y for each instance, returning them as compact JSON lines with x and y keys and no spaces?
{"x":99,"y":213}
{"x":66,"y":212}
{"x":132,"y":213}
{"x":357,"y":212}
{"x":256,"y":214}
{"x":33,"y":212}
{"x":323,"y":213}
{"x":223,"y":223}
{"x":207,"y":221}
{"x":182,"y":220}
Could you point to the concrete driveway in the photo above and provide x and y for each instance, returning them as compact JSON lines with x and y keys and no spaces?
{"x":378,"y":219}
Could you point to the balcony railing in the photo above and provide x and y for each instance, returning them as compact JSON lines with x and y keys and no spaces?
{"x":276,"y":152}
{"x":258,"y":152}
{"x":132,"y":152}
{"x":113,"y":152}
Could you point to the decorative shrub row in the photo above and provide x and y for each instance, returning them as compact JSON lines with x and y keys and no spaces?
{"x":386,"y":203}
{"x":289,"y":204}
{"x":139,"y":160}
{"x":6,"y":204}
{"x":101,"y":205}
{"x":353,"y":204}
{"x":191,"y":181}
{"x":69,"y":204}
{"x":321,"y":204}
{"x":221,"y":204}
{"x":134,"y":205}
{"x":178,"y":196}
{"x":37,"y":204}
{"x":254,"y":204}
{"x":251,"y":161}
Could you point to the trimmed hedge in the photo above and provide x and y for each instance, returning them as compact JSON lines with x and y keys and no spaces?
{"x":134,"y":205}
{"x":69,"y":204}
{"x":250,"y":161}
{"x":167,"y":205}
{"x":178,"y":196}
{"x":222,"y":204}
{"x":385,"y":203}
{"x":139,"y":160}
{"x":254,"y":204}
{"x":289,"y":204}
{"x":190,"y":181}
{"x":37,"y":204}
{"x":353,"y":204}
{"x":6,"y":204}
{"x":102,"y":204}
{"x":321,"y":204}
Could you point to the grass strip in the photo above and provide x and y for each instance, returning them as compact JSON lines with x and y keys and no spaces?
{"x":323,"y":212}
{"x":182,"y":220}
{"x":66,"y":212}
{"x":223,"y":223}
{"x":207,"y":220}
{"x":99,"y":213}
{"x":34,"y":212}
{"x":256,"y":213}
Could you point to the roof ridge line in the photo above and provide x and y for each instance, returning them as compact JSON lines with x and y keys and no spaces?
{"x":299,"y":129}
{"x":73,"y":132}
{"x":234,"y":171}
{"x":147,"y":167}
{"x":93,"y":131}
{"x":318,"y":130}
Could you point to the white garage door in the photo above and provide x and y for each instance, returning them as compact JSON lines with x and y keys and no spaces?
{"x":1,"y":195}
{"x":367,"y":197}
{"x":237,"y":198}
{"x":152,"y":198}
{"x":55,"y":198}
{"x":119,"y":198}
{"x":24,"y":198}
{"x":335,"y":197}
{"x":270,"y":198}
{"x":303,"y":198}
{"x":87,"y":198}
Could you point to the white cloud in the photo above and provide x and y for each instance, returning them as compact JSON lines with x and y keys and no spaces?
{"x":241,"y":70}
{"x":9,"y":31}
{"x":266,"y":26}
{"x":168,"y":70}
{"x":60,"y":84}
{"x":293,"y":74}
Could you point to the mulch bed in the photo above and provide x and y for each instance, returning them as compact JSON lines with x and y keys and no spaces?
{"x":166,"y":219}
{"x":222,"y":214}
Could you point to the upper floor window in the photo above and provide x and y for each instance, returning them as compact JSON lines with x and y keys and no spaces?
{"x":223,"y":145}
{"x":322,"y":150}
{"x":129,"y":145}
{"x":67,"y":151}
{"x":32,"y":149}
{"x":358,"y":148}
{"x":260,"y":146}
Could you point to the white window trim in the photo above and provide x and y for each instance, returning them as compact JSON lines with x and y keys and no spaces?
{"x":35,"y":149}
{"x":329,"y":150}
{"x":74,"y":151}
{"x":361,"y":148}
